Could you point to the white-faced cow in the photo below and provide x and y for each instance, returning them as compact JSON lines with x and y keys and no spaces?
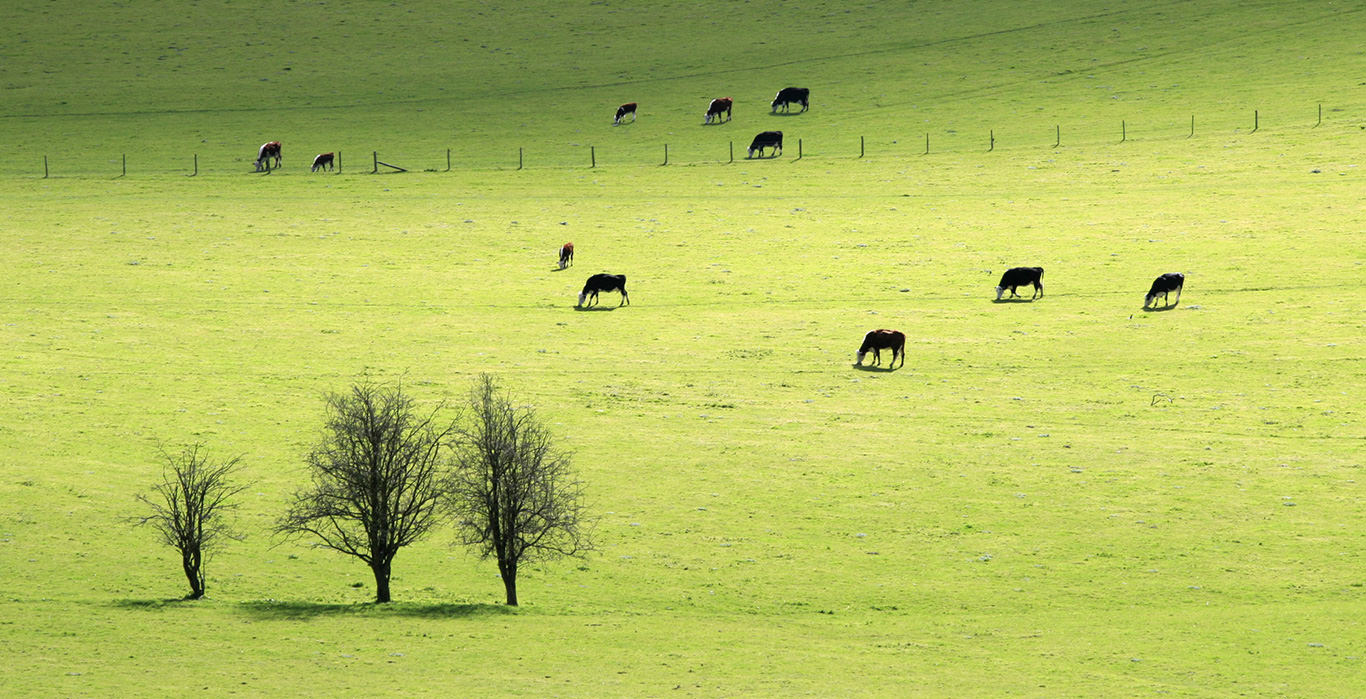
{"x":623,"y":110}
{"x":882,"y":339}
{"x":323,"y":161}
{"x":566,"y":255}
{"x":604,"y":282}
{"x":1172,"y":281}
{"x":719,"y":106}
{"x":265,"y":154}
{"x":1021,"y":276}
{"x":789,"y":95}
{"x":767,"y":139}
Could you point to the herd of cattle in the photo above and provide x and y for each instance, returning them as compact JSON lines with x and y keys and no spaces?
{"x":883,"y":338}
{"x":786,"y":97}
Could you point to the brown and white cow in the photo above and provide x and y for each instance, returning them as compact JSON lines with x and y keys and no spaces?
{"x":268,"y":150}
{"x":323,"y":161}
{"x":719,"y":106}
{"x":566,"y":255}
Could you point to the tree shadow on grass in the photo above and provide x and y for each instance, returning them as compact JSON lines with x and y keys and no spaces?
{"x":275,"y":609}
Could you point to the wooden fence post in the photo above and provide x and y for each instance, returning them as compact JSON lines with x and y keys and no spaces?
{"x":1320,"y":121}
{"x":927,"y":143}
{"x":593,"y":155}
{"x":991,"y":140}
{"x":732,"y":151}
{"x":1256,"y":121}
{"x":860,"y":146}
{"x":375,"y":153}
{"x":196,"y":165}
{"x":1192,"y":127}
{"x":799,"y":149}
{"x":666,"y":154}
{"x":1123,"y":131}
{"x":448,"y":160}
{"x":1059,"y":141}
{"x":44,"y":167}
{"x":125,"y":165}
{"x":338,"y":162}
{"x":519,"y":158}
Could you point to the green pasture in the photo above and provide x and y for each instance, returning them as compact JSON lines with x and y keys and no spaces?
{"x":1067,"y":497}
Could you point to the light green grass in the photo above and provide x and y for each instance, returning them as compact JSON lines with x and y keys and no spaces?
{"x":1011,"y":513}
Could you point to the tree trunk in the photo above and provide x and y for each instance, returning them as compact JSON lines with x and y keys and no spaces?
{"x":509,"y":573}
{"x":191,"y":561}
{"x":381,"y":582}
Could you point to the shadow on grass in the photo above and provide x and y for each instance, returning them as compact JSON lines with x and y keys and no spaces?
{"x":876,"y":368}
{"x":153,"y":604}
{"x":274,"y":609}
{"x":1009,"y":300}
{"x":596,"y":308}
{"x":1155,"y":309}
{"x":786,"y":114}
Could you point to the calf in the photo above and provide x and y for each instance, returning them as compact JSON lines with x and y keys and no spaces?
{"x":1021,"y":276}
{"x":719,"y":106}
{"x":566,"y":255}
{"x":323,"y":162}
{"x":788,"y":95}
{"x":767,"y":139}
{"x":1168,"y":282}
{"x":604,"y":282}
{"x":623,"y":110}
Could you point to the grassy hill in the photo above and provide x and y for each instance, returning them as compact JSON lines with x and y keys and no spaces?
{"x":1072,"y":496}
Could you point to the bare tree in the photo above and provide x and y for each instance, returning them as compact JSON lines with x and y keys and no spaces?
{"x":189,"y":506}
{"x":513,"y":493}
{"x":375,"y":479}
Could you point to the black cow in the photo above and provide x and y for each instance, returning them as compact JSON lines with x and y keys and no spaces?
{"x":623,"y":110}
{"x":1021,"y":276}
{"x":604,"y":282}
{"x":767,"y":139}
{"x":1168,"y":282}
{"x":788,"y":95}
{"x":719,"y":106}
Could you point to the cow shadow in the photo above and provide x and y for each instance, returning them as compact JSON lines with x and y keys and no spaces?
{"x":763,"y":157}
{"x":1020,"y":300}
{"x":277,"y":610}
{"x":785,"y":114}
{"x":875,"y":368}
{"x":586,"y":309}
{"x":558,"y":268}
{"x":1162,"y":309}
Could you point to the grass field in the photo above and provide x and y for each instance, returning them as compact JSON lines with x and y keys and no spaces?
{"x":1066,"y":497}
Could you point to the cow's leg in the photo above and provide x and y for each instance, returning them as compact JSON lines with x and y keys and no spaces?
{"x":1178,"y":296}
{"x":624,"y":298}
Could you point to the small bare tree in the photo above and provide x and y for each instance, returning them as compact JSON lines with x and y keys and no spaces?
{"x":189,"y":508}
{"x":376,"y":476}
{"x":514,"y":494}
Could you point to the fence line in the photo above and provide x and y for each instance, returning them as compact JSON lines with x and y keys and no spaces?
{"x":593,"y":156}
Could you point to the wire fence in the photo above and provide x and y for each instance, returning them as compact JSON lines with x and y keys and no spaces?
{"x":576,"y":155}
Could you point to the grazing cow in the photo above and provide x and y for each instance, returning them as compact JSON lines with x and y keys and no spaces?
{"x":876,"y":340}
{"x":767,"y":139}
{"x":788,"y":95}
{"x":719,"y":106}
{"x":264,"y":155}
{"x":1021,"y":276}
{"x":1168,"y":282}
{"x":623,"y":110}
{"x":604,"y":282}
{"x":323,"y":161}
{"x":566,"y":255}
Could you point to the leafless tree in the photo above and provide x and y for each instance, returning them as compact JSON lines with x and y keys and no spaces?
{"x":189,"y":508}
{"x":513,"y":493}
{"x":375,"y":476}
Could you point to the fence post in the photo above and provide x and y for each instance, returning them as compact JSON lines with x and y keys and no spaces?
{"x":1192,"y":127}
{"x":732,"y":151}
{"x":799,"y":149}
{"x":44,"y":167}
{"x":927,"y":143}
{"x":125,"y":165}
{"x":1320,"y":121}
{"x":1123,"y":131}
{"x":1256,"y":121}
{"x":860,"y":146}
{"x":593,"y":154}
{"x":448,"y":160}
{"x":991,"y":140}
{"x":666,"y":154}
{"x":519,"y":158}
{"x":196,"y":165}
{"x":375,"y":153}
{"x":338,"y":162}
{"x":1059,"y":141}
